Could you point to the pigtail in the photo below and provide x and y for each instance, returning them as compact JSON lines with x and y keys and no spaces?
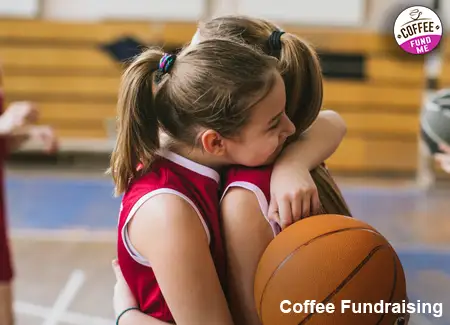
{"x":300,"y":66}
{"x":138,"y":135}
{"x":330,"y":196}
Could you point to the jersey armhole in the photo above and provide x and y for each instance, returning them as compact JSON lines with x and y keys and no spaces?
{"x":262,"y":201}
{"x":125,"y":236}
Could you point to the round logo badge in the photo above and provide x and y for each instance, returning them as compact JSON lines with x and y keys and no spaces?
{"x":418,"y":30}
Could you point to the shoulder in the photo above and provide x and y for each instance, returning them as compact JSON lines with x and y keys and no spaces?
{"x":240,"y":207}
{"x":165,"y":216}
{"x":255,"y":182}
{"x":166,"y":208}
{"x":241,"y":215}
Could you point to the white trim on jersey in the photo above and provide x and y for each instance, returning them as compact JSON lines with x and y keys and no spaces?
{"x":189,"y":164}
{"x":263,"y":203}
{"x":125,"y":237}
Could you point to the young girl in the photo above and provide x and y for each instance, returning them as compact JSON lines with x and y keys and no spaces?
{"x":216,"y":101}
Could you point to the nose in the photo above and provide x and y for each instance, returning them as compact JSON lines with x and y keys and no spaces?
{"x":289,"y":127}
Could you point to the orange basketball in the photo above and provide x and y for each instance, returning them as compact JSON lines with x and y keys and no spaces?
{"x":329,"y":261}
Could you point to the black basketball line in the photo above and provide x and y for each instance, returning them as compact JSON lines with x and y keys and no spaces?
{"x":287,"y":258}
{"x":393,"y":287}
{"x":346,"y":280}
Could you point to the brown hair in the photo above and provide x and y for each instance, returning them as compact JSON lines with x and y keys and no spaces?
{"x":298,"y":63}
{"x":210,"y":85}
{"x":330,"y":195}
{"x":299,"y":66}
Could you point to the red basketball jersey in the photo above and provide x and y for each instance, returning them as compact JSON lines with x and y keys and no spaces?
{"x":256,"y":180}
{"x":199,"y":186}
{"x":6,"y":272}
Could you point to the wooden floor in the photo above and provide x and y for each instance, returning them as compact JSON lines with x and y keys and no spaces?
{"x":63,"y":255}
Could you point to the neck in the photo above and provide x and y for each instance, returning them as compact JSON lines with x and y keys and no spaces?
{"x":195,"y":154}
{"x":199,"y":156}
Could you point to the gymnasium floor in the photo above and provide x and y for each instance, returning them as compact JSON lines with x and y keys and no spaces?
{"x":63,"y":241}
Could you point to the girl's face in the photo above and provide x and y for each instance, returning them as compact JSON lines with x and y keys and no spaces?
{"x":262,"y":139}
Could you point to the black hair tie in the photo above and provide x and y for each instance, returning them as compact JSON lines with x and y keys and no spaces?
{"x":275,"y":42}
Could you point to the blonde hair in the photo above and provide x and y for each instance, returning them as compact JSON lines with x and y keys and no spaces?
{"x":207,"y":85}
{"x":298,"y":62}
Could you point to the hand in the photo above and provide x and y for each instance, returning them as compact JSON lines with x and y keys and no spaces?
{"x":17,"y":116}
{"x":123,"y":297}
{"x":44,"y":134}
{"x":293,"y":196}
{"x":444,"y":158}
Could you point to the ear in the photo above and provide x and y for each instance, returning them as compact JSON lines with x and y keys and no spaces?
{"x":213,"y":142}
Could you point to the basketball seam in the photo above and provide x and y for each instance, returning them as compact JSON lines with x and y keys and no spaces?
{"x":346,"y":281}
{"x":298,"y":248}
{"x":392,"y":290}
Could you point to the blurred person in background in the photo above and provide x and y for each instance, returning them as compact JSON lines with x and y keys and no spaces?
{"x":16,"y":127}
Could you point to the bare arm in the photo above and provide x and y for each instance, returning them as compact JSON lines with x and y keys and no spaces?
{"x":317,"y":144}
{"x":247,"y":234}
{"x":17,"y":117}
{"x":136,"y":317}
{"x":123,"y":300}
{"x":444,"y":158}
{"x":169,"y":234}
{"x":39,"y":133}
{"x":16,"y":127}
{"x":293,"y":192}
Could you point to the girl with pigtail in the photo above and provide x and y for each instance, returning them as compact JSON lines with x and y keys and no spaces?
{"x":221,"y":103}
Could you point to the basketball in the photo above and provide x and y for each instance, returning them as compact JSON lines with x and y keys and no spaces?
{"x":435,"y":120}
{"x":334,"y":260}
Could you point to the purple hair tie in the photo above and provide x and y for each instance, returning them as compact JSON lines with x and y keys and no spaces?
{"x":166,"y":62}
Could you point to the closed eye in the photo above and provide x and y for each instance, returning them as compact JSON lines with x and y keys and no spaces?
{"x":275,"y":121}
{"x":275,"y":124}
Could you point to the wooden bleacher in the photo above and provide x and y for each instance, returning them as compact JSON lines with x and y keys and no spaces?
{"x":62,"y":68}
{"x":381,"y":111}
{"x":444,"y":77}
{"x":443,"y":82}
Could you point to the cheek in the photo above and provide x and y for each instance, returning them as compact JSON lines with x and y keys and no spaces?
{"x":265,"y":146}
{"x":271,"y":142}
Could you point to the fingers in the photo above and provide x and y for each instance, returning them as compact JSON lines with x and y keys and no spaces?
{"x":316,"y":206}
{"x":46,"y":135}
{"x":445,"y":148}
{"x":285,"y":212}
{"x":25,"y":112}
{"x":49,"y":139}
{"x":32,"y":112}
{"x":444,"y":160}
{"x":273,"y":210}
{"x":310,"y":203}
{"x":306,"y":205}
{"x":117,"y":271}
{"x":296,"y":206}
